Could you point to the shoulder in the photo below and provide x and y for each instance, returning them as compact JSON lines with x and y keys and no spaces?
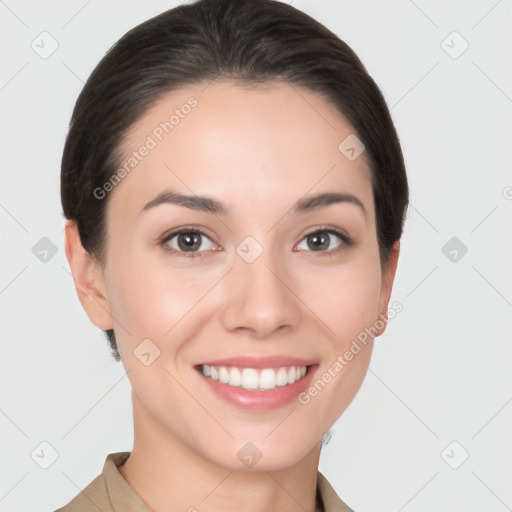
{"x":330,"y":499}
{"x":96,"y":495}
{"x":93,"y":497}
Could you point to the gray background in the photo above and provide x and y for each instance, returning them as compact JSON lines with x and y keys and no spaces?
{"x":439,"y":384}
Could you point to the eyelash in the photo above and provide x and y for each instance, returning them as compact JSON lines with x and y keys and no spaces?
{"x":346,"y":241}
{"x":191,"y":229}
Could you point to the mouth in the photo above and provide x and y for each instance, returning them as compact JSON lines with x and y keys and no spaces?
{"x":255,"y":379}
{"x":258,"y":383}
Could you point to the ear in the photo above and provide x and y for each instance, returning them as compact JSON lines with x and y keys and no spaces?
{"x":388,"y":277}
{"x":88,"y":278}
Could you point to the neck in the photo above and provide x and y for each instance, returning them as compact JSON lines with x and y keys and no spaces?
{"x":168,"y":475}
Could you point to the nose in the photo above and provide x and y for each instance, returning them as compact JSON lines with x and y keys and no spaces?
{"x":260,"y":298}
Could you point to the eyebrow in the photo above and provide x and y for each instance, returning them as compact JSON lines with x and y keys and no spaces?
{"x":210,"y":205}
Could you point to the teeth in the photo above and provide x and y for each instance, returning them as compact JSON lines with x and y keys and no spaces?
{"x":282,"y":377}
{"x":251,"y":379}
{"x":268,"y":379}
{"x":223,"y":375}
{"x":235,"y":377}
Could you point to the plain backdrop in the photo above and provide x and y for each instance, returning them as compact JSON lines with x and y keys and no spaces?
{"x":430,"y":427}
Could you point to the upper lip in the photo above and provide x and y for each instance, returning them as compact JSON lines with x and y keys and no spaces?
{"x":277,"y":361}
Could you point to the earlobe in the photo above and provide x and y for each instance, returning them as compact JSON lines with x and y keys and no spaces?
{"x":388,"y":277}
{"x":88,"y":278}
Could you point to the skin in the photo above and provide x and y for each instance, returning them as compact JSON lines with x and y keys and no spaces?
{"x":257,"y":150}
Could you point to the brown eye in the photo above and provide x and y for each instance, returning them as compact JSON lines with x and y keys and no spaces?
{"x":189,"y":241}
{"x":319,"y":241}
{"x":323,"y":241}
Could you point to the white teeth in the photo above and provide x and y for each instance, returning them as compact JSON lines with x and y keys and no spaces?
{"x":251,"y":379}
{"x":268,"y":379}
{"x":282,"y":377}
{"x":223,"y":375}
{"x":235,"y":377}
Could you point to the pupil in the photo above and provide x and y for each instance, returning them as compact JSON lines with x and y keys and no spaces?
{"x":319,"y":241}
{"x":188,"y":240}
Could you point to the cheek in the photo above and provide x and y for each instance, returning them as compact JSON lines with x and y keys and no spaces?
{"x":343,"y":297}
{"x":151,"y":300}
{"x":345,"y":300}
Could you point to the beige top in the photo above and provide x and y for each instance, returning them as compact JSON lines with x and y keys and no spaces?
{"x":110,"y":492}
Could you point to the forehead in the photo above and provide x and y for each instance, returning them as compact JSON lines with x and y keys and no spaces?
{"x":243,"y":144}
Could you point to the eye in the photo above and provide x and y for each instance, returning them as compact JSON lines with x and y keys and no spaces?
{"x":324,"y":241}
{"x":188,"y":241}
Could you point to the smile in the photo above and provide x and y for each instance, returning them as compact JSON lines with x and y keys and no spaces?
{"x":252,"y":379}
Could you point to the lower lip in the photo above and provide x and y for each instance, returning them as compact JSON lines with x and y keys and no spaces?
{"x":260,"y":400}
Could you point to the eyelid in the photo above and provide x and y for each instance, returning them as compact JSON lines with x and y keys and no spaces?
{"x":163,"y":242}
{"x":329,"y":229}
{"x":347,"y":241}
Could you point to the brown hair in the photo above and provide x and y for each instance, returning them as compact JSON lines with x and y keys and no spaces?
{"x":251,"y":41}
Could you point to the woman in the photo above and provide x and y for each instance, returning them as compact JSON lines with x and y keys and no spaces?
{"x":235,"y":194}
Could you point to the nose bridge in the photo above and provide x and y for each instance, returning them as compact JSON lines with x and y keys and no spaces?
{"x":258,"y":298}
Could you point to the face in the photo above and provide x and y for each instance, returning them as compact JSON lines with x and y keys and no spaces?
{"x":258,"y":272}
